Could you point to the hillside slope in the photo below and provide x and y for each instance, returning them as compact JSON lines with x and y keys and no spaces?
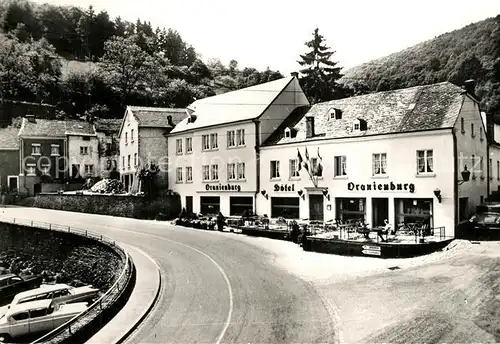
{"x":472,"y":52}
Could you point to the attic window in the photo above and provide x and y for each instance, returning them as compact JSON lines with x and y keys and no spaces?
{"x":288,"y":133}
{"x":359,"y":125}
{"x":356,"y":125}
{"x":335,"y":113}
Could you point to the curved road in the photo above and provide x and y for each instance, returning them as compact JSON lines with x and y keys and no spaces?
{"x":216,"y":288}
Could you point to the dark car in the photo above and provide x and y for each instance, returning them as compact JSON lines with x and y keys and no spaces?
{"x":12,"y":284}
{"x":486,"y":221}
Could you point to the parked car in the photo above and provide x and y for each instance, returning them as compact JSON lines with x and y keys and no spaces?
{"x":36,"y":317}
{"x":486,"y":221}
{"x":12,"y":284}
{"x":61,"y":293}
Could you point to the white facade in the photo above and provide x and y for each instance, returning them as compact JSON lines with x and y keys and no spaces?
{"x":83,"y":156}
{"x":401,"y":194}
{"x":129,"y":150}
{"x":224,"y":176}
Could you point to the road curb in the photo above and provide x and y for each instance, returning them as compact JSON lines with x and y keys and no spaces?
{"x":143,"y":316}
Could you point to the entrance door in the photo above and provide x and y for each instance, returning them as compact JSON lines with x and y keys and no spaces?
{"x":189,"y":204}
{"x":126,"y":183}
{"x":37,"y":188}
{"x":75,"y":170}
{"x":380,"y":211}
{"x":316,"y":211}
{"x":462,"y":208}
{"x":13,"y":184}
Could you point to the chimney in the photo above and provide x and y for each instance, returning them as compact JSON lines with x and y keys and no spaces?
{"x":295,"y":74}
{"x":30,"y":118}
{"x":309,"y":126}
{"x":470,"y":86}
{"x":169,"y":121}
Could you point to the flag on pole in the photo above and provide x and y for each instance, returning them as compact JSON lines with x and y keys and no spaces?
{"x":300,"y":160}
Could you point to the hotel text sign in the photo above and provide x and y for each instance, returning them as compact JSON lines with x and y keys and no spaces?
{"x":284,"y":187}
{"x":410,"y":187}
{"x":223,"y":187}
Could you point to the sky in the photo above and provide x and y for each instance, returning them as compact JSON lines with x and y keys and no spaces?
{"x":272,"y":33}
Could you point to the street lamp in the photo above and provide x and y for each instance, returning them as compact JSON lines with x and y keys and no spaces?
{"x":465,"y":176}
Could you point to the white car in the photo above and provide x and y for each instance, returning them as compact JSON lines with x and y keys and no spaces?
{"x":36,"y":317}
{"x":61,"y":293}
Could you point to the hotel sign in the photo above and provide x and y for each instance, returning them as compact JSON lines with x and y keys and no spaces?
{"x":284,"y":187}
{"x":223,"y":187}
{"x":391,"y":186}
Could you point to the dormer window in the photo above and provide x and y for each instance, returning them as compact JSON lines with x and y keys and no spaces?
{"x":359,"y":125}
{"x":288,"y":133}
{"x":335,"y":113}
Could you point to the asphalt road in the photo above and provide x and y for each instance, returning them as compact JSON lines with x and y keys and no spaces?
{"x":216,"y":289}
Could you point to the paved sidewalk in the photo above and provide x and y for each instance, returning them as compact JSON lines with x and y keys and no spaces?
{"x":146,"y":290}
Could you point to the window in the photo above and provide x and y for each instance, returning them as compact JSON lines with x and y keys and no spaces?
{"x":189,"y":174}
{"x":317,"y":169}
{"x":473,"y":169}
{"x":214,"y":144}
{"x":131,"y":135}
{"x":231,"y":171}
{"x":481,"y":166}
{"x":240,"y":137}
{"x":339,"y":166}
{"x":30,"y":169}
{"x":356,"y":126}
{"x":36,"y":149}
{"x":498,"y":170}
{"x":294,"y":172}
{"x":462,"y":125}
{"x":231,"y":141}
{"x":275,"y":169}
{"x":37,"y":313}
{"x":179,"y":175}
{"x":128,"y":159}
{"x":178,"y":144}
{"x":123,"y":161}
{"x":215,"y":172}
{"x":21,"y":316}
{"x":54,"y":150}
{"x":84,"y":150}
{"x":205,"y":142}
{"x":126,"y":138}
{"x":288,"y":133}
{"x":89,"y":169}
{"x":472,"y":130}
{"x":379,"y":164}
{"x":135,"y":159}
{"x":490,"y":168}
{"x":189,"y":144}
{"x":206,"y":172}
{"x":241,"y":170}
{"x":45,"y":168}
{"x":425,"y":161}
{"x":481,"y":133}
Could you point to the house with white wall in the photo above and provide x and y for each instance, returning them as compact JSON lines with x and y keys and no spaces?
{"x":83,"y":149}
{"x":214,"y":153}
{"x":399,"y":156}
{"x":142,"y":141}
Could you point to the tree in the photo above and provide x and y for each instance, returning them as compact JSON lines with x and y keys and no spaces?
{"x":127,"y":65}
{"x":320,"y":74}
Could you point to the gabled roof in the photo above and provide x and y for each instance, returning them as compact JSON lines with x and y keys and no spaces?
{"x":411,"y":109}
{"x":108,"y":125}
{"x":8,"y":138}
{"x":38,"y":127}
{"x":245,"y":104}
{"x":79,"y":128}
{"x":150,"y":117}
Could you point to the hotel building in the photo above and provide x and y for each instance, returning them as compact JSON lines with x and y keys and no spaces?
{"x":214,"y":153}
{"x":401,"y":156}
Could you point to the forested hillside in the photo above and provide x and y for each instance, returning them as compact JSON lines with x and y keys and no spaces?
{"x":87,"y":63}
{"x":472,"y":52}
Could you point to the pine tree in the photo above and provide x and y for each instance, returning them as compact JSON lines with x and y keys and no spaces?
{"x":319,"y":78}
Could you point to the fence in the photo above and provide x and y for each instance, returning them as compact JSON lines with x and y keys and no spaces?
{"x":113,"y":294}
